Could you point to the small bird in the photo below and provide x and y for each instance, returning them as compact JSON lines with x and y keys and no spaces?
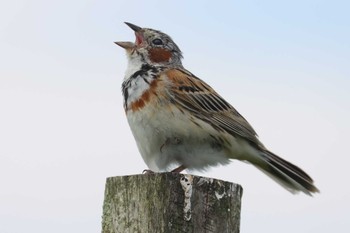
{"x":179,"y":120}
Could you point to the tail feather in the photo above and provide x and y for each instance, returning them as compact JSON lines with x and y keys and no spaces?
{"x":286,"y":174}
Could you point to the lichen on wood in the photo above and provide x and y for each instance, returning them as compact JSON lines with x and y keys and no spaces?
{"x":170,"y":202}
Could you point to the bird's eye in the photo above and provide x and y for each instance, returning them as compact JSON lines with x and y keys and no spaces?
{"x":157,"y":41}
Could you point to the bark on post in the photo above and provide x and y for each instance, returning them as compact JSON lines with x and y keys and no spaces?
{"x":170,"y":202}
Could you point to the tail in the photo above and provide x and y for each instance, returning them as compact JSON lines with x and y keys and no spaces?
{"x":286,"y":174}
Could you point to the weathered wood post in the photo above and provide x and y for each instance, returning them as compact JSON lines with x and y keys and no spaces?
{"x":170,"y":202}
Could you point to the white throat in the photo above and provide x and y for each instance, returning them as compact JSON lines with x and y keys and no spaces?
{"x":134,"y":64}
{"x":137,"y":79}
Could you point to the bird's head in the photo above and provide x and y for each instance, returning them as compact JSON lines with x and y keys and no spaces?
{"x":152,"y":46}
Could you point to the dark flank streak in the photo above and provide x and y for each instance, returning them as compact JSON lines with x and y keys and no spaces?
{"x":146,"y":81}
{"x":194,"y":122}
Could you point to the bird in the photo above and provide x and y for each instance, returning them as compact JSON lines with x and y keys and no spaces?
{"x":180,"y":122}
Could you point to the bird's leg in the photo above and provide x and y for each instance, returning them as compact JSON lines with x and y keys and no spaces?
{"x":179,"y":169}
{"x":148,"y":171}
{"x":176,"y":170}
{"x":174,"y":141}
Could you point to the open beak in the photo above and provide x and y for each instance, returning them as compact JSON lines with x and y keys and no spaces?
{"x":125,"y":44}
{"x":138,"y":34}
{"x":133,"y":27}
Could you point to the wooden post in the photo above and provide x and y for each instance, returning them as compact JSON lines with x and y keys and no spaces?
{"x":170,"y":202}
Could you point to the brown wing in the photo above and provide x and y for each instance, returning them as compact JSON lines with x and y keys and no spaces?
{"x":204,"y":103}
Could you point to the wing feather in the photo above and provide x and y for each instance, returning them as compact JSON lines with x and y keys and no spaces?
{"x":204,"y":103}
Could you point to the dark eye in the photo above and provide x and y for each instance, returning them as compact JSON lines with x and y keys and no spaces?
{"x":157,"y":41}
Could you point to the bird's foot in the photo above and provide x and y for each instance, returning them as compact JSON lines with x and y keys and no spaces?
{"x":148,"y":172}
{"x":176,"y":170}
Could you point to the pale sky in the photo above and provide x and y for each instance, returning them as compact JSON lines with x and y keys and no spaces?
{"x":283,"y":65}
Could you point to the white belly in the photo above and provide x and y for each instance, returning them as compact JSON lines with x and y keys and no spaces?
{"x":168,"y":137}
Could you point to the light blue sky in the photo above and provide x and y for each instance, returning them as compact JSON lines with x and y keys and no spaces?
{"x":284,"y":65}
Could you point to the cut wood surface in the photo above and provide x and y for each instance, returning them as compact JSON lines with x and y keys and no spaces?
{"x":170,"y":202}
